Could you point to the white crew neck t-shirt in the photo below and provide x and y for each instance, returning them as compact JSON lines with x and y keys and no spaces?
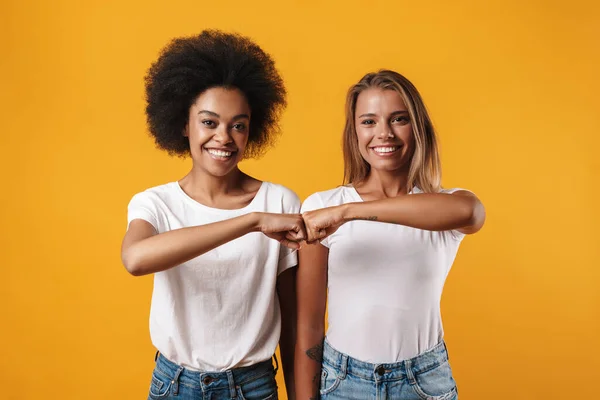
{"x":220,"y":310}
{"x":385,"y":283}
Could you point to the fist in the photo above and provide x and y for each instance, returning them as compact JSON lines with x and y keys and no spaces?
{"x":288,"y":229}
{"x":322,"y":223}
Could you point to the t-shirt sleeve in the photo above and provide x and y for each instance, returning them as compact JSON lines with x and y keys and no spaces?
{"x":314,"y":202}
{"x":455,"y":233}
{"x":143,"y":206}
{"x":288,"y":258}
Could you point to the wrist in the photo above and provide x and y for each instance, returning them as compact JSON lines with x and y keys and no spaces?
{"x":255,"y":221}
{"x":348,"y":211}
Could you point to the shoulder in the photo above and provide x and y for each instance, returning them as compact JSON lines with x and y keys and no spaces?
{"x":457,"y":190}
{"x":417,"y":190}
{"x":150,"y":204}
{"x":329,"y":198}
{"x":280,"y":191}
{"x":156,"y":194}
{"x":281,"y":194}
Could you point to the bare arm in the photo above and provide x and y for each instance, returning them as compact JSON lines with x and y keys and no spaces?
{"x":286,"y":291}
{"x":311,"y":286}
{"x":144,"y":251}
{"x":461,"y":210}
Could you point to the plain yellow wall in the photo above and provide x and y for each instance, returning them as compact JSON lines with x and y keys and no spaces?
{"x":512,"y":88}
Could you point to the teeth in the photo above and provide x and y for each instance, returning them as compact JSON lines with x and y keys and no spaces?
{"x":219,"y":153}
{"x":385,"y":149}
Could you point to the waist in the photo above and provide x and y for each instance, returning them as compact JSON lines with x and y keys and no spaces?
{"x":425,"y":361}
{"x":384,"y":333}
{"x":216,"y":341}
{"x":196,"y":378}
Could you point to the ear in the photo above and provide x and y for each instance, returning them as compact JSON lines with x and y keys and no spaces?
{"x":186,"y":132}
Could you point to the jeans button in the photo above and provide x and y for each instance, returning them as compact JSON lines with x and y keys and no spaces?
{"x":207,"y":380}
{"x":380,"y":370}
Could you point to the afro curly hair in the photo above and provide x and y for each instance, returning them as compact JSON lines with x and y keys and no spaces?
{"x":188,"y":66}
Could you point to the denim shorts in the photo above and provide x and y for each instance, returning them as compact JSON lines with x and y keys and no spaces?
{"x":172,"y":381}
{"x":425,"y":377}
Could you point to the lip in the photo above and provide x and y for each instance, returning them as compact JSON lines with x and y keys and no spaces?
{"x":388,"y":154}
{"x":220,"y":149}
{"x":220,"y":158}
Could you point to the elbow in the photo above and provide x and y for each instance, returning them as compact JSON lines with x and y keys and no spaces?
{"x":132,"y":263}
{"x":309,"y":331}
{"x":475,"y":216}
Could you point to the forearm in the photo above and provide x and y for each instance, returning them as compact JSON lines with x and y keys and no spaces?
{"x":286,"y":349}
{"x":167,"y":250}
{"x":286,"y":291}
{"x":309,"y":355}
{"x":434,"y":212}
{"x":311,"y":286}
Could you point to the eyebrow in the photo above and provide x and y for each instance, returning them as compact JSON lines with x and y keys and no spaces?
{"x":214,"y":114}
{"x":374,"y":115}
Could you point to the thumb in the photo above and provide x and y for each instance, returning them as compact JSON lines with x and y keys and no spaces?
{"x":290,"y":244}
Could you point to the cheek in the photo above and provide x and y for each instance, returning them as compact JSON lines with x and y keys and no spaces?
{"x":363,"y":142}
{"x":199,"y":135}
{"x":411,"y":145}
{"x":241,"y":140}
{"x":364,"y":137}
{"x":406,"y":135}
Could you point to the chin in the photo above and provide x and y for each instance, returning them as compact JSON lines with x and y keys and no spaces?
{"x":390,"y":169}
{"x":388,"y":165}
{"x":220,"y":172}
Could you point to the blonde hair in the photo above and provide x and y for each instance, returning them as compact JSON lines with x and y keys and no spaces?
{"x":425,"y":169}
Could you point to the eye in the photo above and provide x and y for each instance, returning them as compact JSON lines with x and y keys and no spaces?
{"x":367,"y":122}
{"x":239,"y":127}
{"x":401,"y":119}
{"x":208,"y":123}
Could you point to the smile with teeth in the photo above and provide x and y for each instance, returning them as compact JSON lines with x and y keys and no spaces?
{"x":219,"y":153}
{"x":385,"y":149}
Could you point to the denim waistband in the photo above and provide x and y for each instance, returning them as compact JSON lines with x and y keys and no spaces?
{"x":212,"y":380}
{"x":406,"y":369}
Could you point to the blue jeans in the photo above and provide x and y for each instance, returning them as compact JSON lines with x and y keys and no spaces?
{"x":425,"y":377}
{"x":172,"y":381}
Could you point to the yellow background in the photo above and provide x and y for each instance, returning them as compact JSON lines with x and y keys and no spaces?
{"x":512,"y":88}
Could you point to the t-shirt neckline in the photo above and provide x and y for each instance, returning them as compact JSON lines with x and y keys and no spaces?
{"x":358,"y":198}
{"x":197,"y":204}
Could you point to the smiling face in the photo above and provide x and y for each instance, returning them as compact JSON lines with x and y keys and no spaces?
{"x":384,"y":130}
{"x":218,"y":127}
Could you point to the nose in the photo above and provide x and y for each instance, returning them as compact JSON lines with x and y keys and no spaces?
{"x":222,"y":135}
{"x":386,"y":133}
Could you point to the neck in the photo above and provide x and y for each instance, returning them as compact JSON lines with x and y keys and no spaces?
{"x":210,"y":186}
{"x":390,"y":183}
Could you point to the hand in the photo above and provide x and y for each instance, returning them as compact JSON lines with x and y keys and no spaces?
{"x":323,"y":222}
{"x":288,"y":229}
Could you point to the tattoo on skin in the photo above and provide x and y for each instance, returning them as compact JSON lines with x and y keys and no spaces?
{"x":316,"y":353}
{"x":371,"y":218}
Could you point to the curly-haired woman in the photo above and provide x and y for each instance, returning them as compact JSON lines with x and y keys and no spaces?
{"x":223,"y":288}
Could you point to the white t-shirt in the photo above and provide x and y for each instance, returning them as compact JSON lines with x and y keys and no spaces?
{"x":385,"y":284}
{"x":220,"y":310}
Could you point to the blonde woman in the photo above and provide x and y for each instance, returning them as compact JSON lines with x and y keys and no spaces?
{"x":381,"y":247}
